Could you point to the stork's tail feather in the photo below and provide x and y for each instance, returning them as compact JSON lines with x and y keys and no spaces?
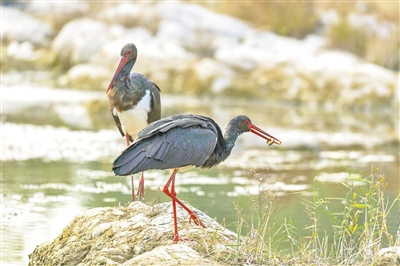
{"x":127,"y":162}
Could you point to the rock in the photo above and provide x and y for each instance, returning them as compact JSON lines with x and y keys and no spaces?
{"x":198,"y":29}
{"x":266,"y":49}
{"x":307,"y":72}
{"x":196,"y":17}
{"x":179,"y":254}
{"x":136,"y":235}
{"x":57,"y":13}
{"x":20,"y":27}
{"x":79,"y":40}
{"x":389,"y":256}
{"x":195,"y":29}
{"x":176,"y":22}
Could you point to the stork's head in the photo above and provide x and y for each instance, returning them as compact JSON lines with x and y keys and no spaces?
{"x":243,"y":124}
{"x":128,"y":54}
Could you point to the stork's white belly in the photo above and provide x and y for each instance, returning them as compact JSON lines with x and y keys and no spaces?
{"x":135,"y":119}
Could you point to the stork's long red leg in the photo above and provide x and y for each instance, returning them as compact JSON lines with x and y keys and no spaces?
{"x":175,"y":200}
{"x":140,"y":191}
{"x":173,"y":192}
{"x":133,"y":187}
{"x":128,"y":142}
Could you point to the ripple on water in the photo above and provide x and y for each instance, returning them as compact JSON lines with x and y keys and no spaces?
{"x":341,"y":177}
{"x":24,"y":142}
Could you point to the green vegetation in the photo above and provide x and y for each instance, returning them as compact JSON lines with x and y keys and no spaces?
{"x":359,"y":229}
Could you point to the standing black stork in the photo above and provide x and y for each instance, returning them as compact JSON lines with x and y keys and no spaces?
{"x":183,"y":141}
{"x":134,"y":102}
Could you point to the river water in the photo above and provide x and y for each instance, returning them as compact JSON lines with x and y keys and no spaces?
{"x":50,"y":173}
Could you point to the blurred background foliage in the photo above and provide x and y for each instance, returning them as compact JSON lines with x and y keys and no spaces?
{"x":368,"y":30}
{"x":299,"y":18}
{"x":296,"y":19}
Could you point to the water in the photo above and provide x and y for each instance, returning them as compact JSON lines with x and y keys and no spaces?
{"x":50,"y":174}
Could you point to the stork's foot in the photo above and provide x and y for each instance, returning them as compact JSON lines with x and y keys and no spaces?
{"x":196,"y":220}
{"x":177,"y":238}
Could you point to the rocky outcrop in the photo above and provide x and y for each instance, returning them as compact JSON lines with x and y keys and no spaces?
{"x":138,"y":234}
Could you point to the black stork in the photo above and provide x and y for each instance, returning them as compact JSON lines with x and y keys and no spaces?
{"x":183,"y":141}
{"x":134,"y":102}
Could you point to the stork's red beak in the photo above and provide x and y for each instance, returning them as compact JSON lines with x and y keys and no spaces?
{"x":261,"y":133}
{"x":122,"y":63}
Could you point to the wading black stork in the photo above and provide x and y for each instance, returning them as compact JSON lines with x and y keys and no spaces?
{"x":183,"y":141}
{"x":134,"y":102}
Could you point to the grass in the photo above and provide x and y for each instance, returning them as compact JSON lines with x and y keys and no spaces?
{"x":358,"y":231}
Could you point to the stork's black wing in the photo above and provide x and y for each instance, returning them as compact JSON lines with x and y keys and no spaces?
{"x":142,"y":83}
{"x":117,"y":123}
{"x":168,"y":143}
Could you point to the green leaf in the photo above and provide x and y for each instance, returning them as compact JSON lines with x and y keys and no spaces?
{"x":359,"y":205}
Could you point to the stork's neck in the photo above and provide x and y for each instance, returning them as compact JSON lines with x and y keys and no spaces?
{"x":127,"y":92}
{"x":124,"y":82}
{"x":230,"y":137}
{"x":125,"y":71}
{"x":223,"y":147}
